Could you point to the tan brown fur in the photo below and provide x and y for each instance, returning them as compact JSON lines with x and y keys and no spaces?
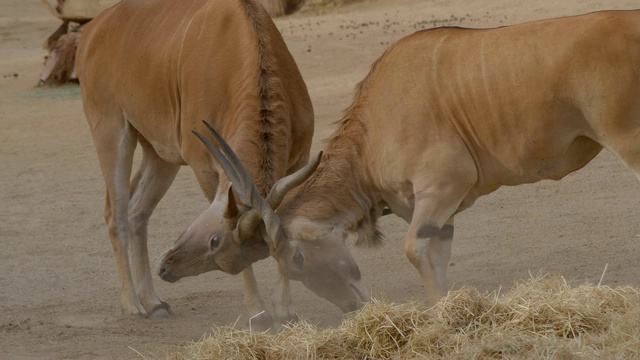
{"x":447,"y":115}
{"x":150,"y":73}
{"x":266,"y":85}
{"x":340,"y":166}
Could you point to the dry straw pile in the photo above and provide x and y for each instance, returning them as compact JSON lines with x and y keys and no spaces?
{"x":543,"y":317}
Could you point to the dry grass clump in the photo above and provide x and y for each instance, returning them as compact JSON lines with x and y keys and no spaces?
{"x":543,"y":317}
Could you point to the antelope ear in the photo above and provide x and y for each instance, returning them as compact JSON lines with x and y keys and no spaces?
{"x":231,"y":211}
{"x":247,"y":226}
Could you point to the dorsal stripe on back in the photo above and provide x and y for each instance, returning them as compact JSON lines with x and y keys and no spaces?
{"x":266,"y":73}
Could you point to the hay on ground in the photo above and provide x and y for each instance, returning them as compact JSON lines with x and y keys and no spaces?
{"x":544,"y":317}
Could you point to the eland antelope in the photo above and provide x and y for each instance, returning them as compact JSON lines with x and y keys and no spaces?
{"x":445,"y":116}
{"x":149,"y":72}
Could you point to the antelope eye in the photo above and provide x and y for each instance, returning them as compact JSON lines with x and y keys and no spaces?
{"x":215,"y":241}
{"x":298,"y":258}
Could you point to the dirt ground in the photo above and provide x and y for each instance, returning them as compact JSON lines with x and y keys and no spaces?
{"x":59,"y":296}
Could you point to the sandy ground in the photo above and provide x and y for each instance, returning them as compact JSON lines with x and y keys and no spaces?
{"x":59,"y":296}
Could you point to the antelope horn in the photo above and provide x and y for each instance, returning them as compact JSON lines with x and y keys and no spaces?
{"x":236,"y":183}
{"x":263,"y":209}
{"x":245,"y":178}
{"x":250,"y":220}
{"x":245,"y":188}
{"x":284,"y":185}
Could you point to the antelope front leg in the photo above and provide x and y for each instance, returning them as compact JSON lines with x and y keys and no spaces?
{"x":282,"y":307}
{"x":429,"y":250}
{"x":437,"y":198}
{"x":259,"y":318}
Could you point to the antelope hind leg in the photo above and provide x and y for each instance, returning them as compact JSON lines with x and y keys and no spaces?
{"x":152,"y":180}
{"x":115,"y":142}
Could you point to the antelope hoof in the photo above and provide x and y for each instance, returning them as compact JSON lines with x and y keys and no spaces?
{"x":135,"y":311}
{"x":161,"y":313}
{"x":162,"y":310}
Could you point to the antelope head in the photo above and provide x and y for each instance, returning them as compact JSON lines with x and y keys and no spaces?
{"x":208,"y":243}
{"x":311,"y":252}
{"x":222,"y":237}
